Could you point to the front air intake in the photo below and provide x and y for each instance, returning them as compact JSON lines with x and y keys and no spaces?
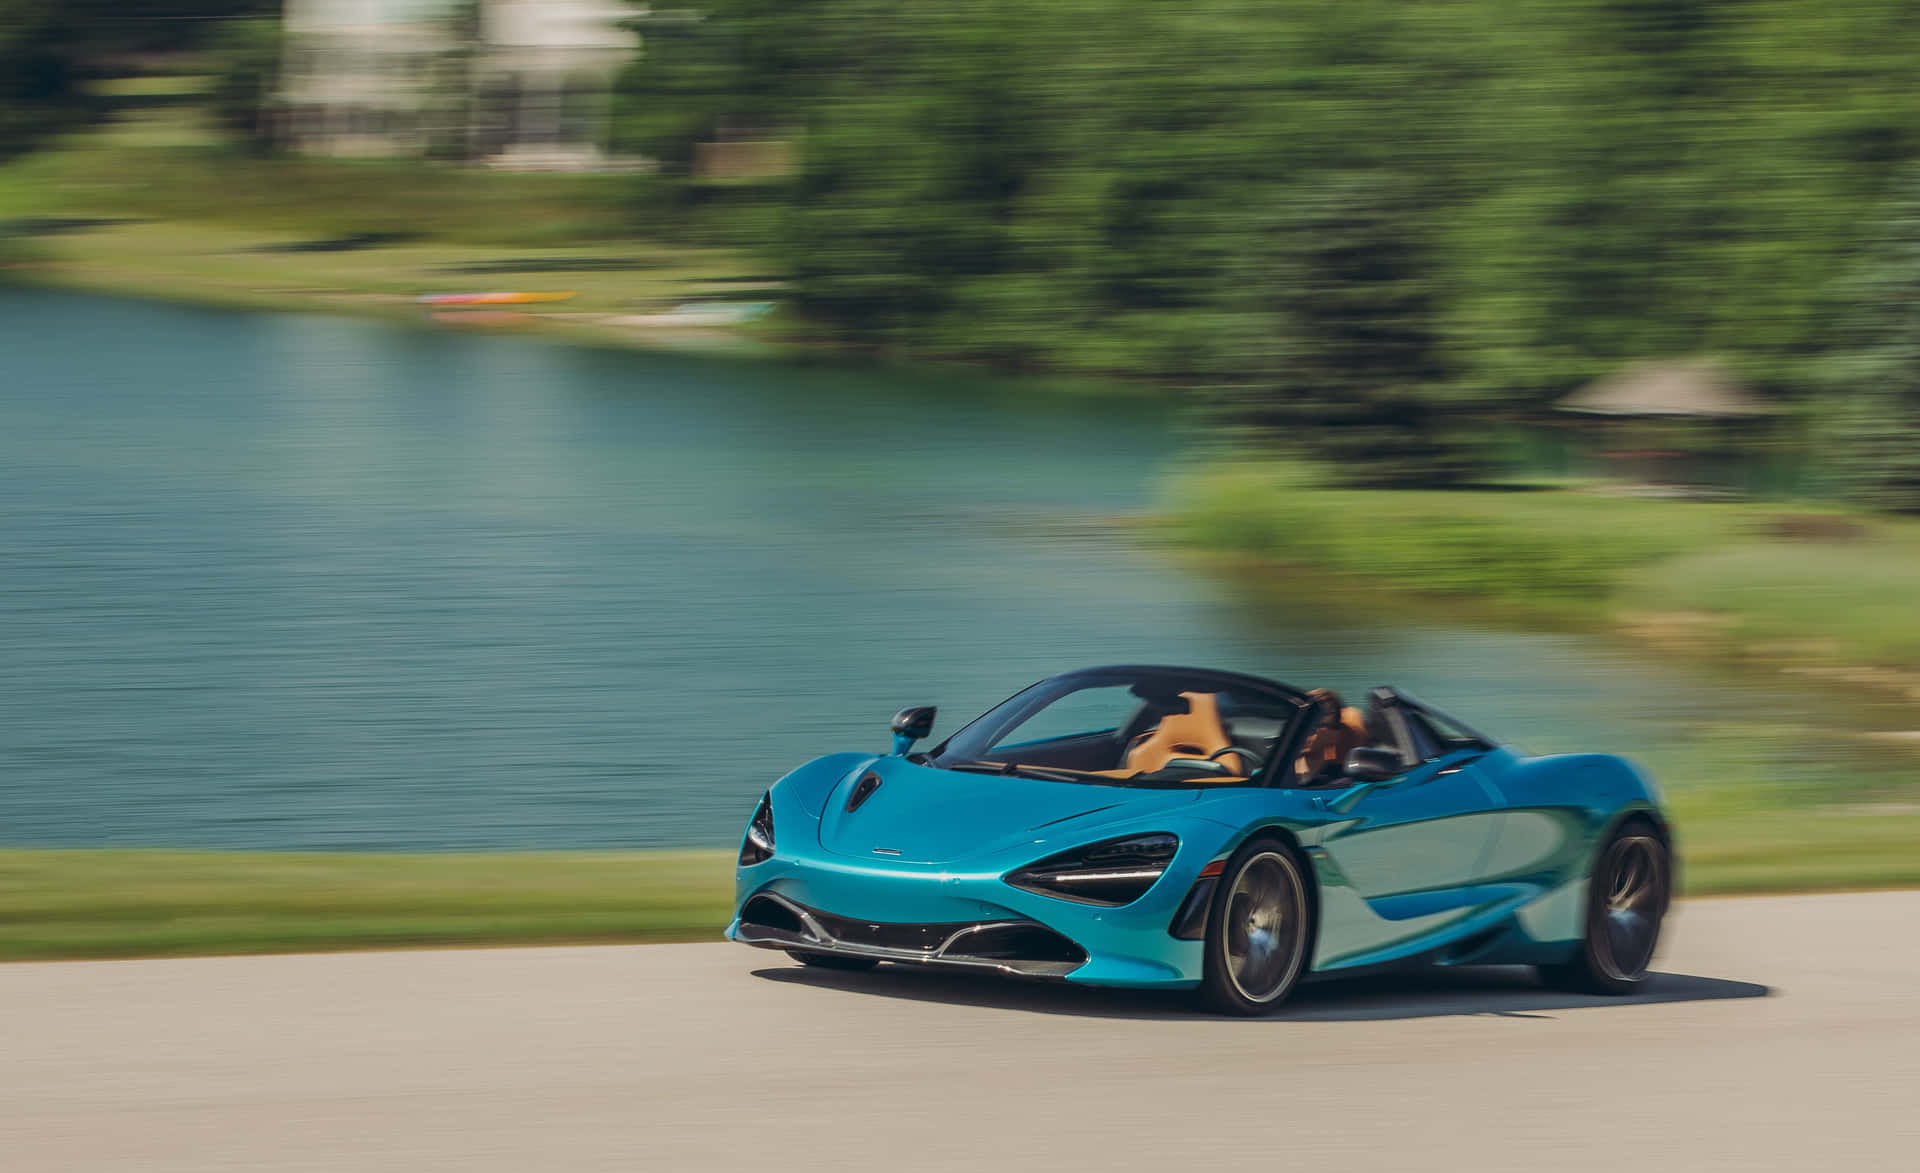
{"x":1016,"y":942}
{"x":764,"y":912}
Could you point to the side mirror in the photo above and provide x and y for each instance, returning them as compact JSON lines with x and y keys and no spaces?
{"x":910,"y":725}
{"x":1373,"y":765}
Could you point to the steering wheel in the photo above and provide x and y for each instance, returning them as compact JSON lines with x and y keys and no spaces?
{"x":1252,"y":759}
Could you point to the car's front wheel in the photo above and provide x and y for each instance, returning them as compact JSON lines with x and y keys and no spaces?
{"x":1258,"y":931}
{"x":832,"y":961}
{"x":1627,"y":900}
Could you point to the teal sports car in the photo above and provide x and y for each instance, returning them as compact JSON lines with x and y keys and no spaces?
{"x":1191,"y":829}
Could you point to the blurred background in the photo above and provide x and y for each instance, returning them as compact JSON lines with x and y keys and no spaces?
{"x":655,"y":398}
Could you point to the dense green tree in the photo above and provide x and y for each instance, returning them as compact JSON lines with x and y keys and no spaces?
{"x":40,"y":74}
{"x":154,"y":26}
{"x":734,"y":66}
{"x":50,"y":48}
{"x":1358,"y":373}
{"x":1871,"y":429}
{"x":246,"y":57}
{"x":1377,"y":229}
{"x":906,"y":218}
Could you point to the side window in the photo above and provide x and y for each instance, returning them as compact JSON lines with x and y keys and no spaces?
{"x":1439,"y":737}
{"x":1083,"y":711}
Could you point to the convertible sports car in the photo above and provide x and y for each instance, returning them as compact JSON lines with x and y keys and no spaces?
{"x":1183,"y":828}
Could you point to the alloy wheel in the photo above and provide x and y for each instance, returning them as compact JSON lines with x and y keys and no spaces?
{"x":1634,"y":875}
{"x":1265,"y":927}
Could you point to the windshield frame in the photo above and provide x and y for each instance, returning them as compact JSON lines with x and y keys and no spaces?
{"x":983,"y":731}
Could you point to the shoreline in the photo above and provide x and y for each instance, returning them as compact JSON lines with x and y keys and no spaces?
{"x":221,"y":266}
{"x":62,"y":267}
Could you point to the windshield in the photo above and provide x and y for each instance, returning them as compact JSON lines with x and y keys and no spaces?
{"x":1132,"y":726}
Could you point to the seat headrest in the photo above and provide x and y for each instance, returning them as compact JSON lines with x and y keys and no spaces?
{"x":1202,"y":715}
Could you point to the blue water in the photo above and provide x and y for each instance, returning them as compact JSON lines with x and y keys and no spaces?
{"x":279,"y":581}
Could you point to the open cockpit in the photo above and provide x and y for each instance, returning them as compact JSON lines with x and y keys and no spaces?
{"x":1176,"y":727}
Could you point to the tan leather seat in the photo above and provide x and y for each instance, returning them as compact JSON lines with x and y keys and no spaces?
{"x":1196,"y":733}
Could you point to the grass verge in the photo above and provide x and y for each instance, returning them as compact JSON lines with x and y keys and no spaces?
{"x":139,"y":903}
{"x":58,"y":905}
{"x":1810,"y":850}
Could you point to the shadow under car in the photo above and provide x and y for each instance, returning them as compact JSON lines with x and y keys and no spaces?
{"x":1506,"y":991}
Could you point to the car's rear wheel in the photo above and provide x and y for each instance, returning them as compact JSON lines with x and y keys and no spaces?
{"x":832,"y":960}
{"x":1258,"y":931}
{"x":1627,"y":899}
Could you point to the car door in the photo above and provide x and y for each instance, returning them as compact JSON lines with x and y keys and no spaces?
{"x":1400,"y":860}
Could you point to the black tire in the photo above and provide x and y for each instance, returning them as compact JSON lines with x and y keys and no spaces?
{"x":1627,"y":898}
{"x":833,"y":961}
{"x":1262,"y":895}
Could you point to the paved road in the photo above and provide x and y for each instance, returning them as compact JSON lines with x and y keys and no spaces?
{"x":1783,"y":1034}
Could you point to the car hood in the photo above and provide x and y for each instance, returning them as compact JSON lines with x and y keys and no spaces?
{"x":923,"y":815}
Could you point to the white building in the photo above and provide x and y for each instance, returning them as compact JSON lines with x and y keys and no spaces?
{"x":516,"y":83}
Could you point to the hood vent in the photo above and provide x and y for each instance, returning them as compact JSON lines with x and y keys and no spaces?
{"x":862,"y":791}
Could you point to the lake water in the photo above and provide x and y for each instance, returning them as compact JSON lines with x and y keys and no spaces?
{"x":280,"y":581}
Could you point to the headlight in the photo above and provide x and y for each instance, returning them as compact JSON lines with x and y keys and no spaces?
{"x":758,"y":846}
{"x":1116,"y":872}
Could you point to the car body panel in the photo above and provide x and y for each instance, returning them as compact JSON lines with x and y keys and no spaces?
{"x":918,"y":814}
{"x":1479,"y":855}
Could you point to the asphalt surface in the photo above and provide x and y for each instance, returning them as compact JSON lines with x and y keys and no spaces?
{"x":1780,"y":1034}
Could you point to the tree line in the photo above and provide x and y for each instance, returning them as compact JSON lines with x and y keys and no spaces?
{"x":1373,"y":227}
{"x":51,"y":49}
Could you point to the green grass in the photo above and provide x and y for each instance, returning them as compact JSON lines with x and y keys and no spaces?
{"x":1807,"y":850}
{"x":1716,"y":577}
{"x":1854,"y":601}
{"x":331,"y":197}
{"x":1758,"y":810}
{"x":222,"y":263}
{"x":1555,"y":549}
{"x":166,"y":163}
{"x":69,"y":904}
